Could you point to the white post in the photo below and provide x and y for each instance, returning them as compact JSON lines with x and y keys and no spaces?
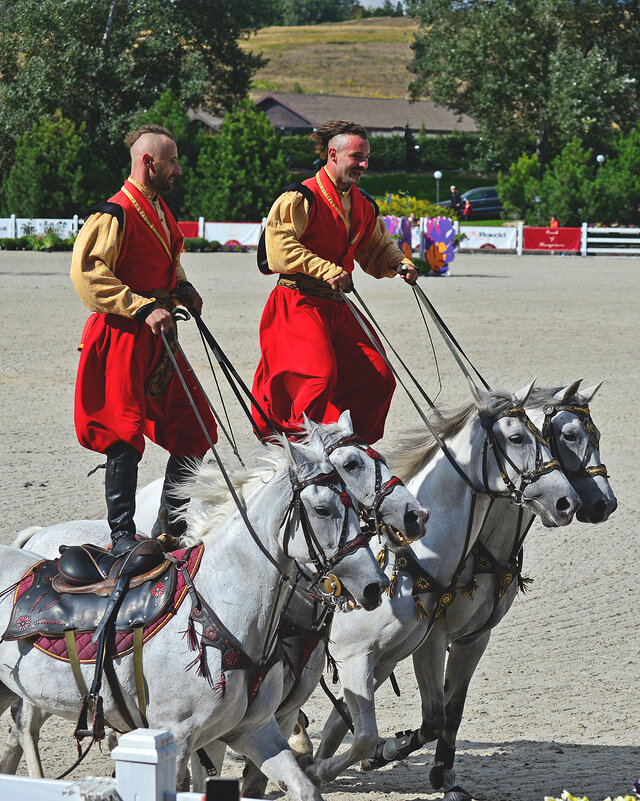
{"x":145,"y":765}
{"x":74,"y":225}
{"x":422,"y":226}
{"x":12,"y":227}
{"x":520,"y":239}
{"x":201,"y":227}
{"x":583,"y":240}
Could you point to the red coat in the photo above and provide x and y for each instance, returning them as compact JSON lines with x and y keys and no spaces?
{"x":126,"y":388}
{"x":316,"y":359}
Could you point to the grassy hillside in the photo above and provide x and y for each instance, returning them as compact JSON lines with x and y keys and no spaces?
{"x":363,"y":58}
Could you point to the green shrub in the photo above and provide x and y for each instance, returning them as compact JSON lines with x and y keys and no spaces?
{"x":299,"y":152}
{"x":8,"y":244}
{"x":214,"y":245}
{"x":403,"y":206}
{"x":196,"y":244}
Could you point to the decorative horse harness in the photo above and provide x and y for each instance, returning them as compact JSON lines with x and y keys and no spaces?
{"x":423,"y":582}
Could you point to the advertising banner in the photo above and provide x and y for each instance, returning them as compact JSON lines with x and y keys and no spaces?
{"x":189,"y":229}
{"x":488,"y":237}
{"x":41,"y":225}
{"x":244,"y":233}
{"x":552,"y":238}
{"x":6,"y":229}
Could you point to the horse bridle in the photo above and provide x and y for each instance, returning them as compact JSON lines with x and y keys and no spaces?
{"x":584,"y":414}
{"x":500,"y":455}
{"x":296,"y":514}
{"x":369,"y":513}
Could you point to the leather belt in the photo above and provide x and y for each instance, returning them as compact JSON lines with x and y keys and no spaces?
{"x":308,"y":285}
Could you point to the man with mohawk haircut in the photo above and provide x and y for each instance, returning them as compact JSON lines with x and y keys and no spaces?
{"x":315,"y":357}
{"x":126,"y":269}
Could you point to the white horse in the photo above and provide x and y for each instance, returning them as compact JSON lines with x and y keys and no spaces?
{"x":445,"y":663}
{"x":498,"y":453}
{"x":246,"y":591}
{"x":379,"y":494}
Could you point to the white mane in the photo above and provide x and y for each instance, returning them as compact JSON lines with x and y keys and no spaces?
{"x":214,"y":503}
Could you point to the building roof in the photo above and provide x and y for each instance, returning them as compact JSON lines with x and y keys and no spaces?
{"x":378,"y":115}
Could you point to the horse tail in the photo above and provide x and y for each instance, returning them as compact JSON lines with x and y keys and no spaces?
{"x":23,"y":537}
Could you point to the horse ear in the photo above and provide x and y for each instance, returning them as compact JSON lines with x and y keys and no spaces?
{"x":481,"y":398}
{"x":316,"y":440}
{"x":309,"y":424}
{"x":563,"y":395}
{"x":588,"y":394}
{"x":522,"y":395}
{"x":294,"y":452}
{"x":344,"y":421}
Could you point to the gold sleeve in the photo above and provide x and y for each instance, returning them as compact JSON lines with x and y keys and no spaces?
{"x":180,"y":273}
{"x":380,"y":255}
{"x":95,"y":254}
{"x":286,"y":223}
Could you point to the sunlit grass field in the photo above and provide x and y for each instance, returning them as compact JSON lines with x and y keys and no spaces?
{"x":361,"y":58}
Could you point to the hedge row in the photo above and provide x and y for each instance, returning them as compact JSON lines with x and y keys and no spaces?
{"x":48,"y":242}
{"x":397,"y":152}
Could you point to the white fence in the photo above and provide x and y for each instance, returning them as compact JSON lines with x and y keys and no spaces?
{"x":601,"y":241}
{"x":145,"y":761}
{"x":11,"y":227}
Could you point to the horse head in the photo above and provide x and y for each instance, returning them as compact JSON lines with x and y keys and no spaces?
{"x":382,"y":497}
{"x":521,"y":464}
{"x":321,"y":532}
{"x":565,"y":418}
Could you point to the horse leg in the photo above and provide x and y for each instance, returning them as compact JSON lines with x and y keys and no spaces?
{"x":254,"y":782}
{"x":215,"y":751}
{"x":428,"y":665}
{"x":267,"y":748}
{"x":358,"y":682}
{"x":461,"y":665}
{"x":23,"y":739}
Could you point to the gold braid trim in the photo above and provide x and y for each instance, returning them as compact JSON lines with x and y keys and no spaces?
{"x":157,"y":233}
{"x":340,"y":211}
{"x":421,"y":612}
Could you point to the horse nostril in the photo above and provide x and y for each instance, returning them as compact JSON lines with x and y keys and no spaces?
{"x":563,"y":504}
{"x":372,"y":594}
{"x":599,"y":511}
{"x":415,"y":522}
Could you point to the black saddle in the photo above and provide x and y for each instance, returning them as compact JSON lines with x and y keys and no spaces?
{"x":90,"y":568}
{"x":142,"y":581}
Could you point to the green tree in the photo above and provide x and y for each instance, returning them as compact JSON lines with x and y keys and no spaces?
{"x":312,"y":12}
{"x":568,"y":188}
{"x":518,"y":187}
{"x":168,"y":111}
{"x":532,"y":69}
{"x":202,"y":182}
{"x":62,"y":55}
{"x":617,"y":191}
{"x":48,"y":178}
{"x":250,"y":168}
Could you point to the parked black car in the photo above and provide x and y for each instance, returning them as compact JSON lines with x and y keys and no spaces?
{"x":485,"y":203}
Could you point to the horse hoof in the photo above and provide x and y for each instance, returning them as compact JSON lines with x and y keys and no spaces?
{"x":457,"y":793}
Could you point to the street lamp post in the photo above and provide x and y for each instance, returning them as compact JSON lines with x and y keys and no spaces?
{"x":537,"y":202}
{"x":600,"y":159}
{"x":437,"y":175}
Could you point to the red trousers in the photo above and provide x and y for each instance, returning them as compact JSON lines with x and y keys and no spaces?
{"x":317,"y":359}
{"x":118,"y":359}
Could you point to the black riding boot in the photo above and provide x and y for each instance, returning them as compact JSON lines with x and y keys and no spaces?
{"x":120,"y":492}
{"x":178,"y":469}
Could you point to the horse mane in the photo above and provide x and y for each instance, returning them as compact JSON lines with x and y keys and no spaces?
{"x":416,"y":448}
{"x":215,"y":504}
{"x":543,"y":395}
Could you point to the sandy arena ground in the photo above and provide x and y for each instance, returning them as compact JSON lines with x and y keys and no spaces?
{"x":554,"y":703}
